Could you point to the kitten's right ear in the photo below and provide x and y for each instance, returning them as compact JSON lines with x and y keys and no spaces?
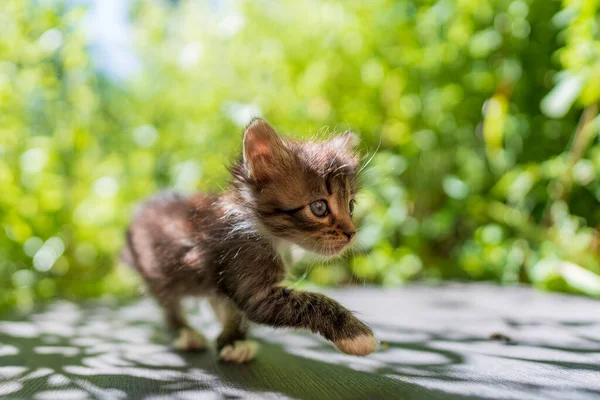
{"x":347,"y":141}
{"x":264,"y":151}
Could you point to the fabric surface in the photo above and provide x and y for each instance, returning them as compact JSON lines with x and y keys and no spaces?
{"x":452,"y":341}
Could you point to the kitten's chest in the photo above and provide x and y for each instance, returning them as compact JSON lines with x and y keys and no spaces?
{"x":289,"y":253}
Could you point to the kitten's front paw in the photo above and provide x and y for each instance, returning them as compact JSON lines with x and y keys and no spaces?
{"x":357,"y":346}
{"x":189,"y":340}
{"x":240,"y":351}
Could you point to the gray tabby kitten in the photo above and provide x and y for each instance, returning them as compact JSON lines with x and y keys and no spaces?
{"x":228,"y":247}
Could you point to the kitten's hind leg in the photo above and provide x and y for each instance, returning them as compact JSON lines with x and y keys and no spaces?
{"x":186,"y":337}
{"x":231,"y":342}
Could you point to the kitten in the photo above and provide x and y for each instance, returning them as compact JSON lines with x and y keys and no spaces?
{"x":228,"y":247}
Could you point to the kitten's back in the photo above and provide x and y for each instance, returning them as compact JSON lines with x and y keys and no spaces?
{"x":161,"y":241}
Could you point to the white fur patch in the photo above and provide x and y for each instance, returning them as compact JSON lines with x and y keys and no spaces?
{"x":189,"y":340}
{"x":358,"y":346}
{"x":240,"y":352}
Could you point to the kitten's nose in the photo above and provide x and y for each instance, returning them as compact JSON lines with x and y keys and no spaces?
{"x":350,"y":234}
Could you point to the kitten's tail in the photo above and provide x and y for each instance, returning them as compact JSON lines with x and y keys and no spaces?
{"x":128,"y":255}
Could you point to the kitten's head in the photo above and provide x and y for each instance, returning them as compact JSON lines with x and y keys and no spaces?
{"x":302,"y":192}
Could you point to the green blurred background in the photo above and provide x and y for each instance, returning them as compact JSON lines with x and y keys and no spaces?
{"x":480,"y":117}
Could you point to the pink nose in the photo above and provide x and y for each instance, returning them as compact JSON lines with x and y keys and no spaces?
{"x":350,"y":234}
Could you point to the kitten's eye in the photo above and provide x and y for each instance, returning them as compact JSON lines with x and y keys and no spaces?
{"x":319,"y":208}
{"x":351,"y":205}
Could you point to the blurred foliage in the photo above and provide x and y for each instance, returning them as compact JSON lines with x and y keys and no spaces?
{"x":484,"y":114}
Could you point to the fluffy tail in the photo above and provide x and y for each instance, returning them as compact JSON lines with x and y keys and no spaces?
{"x":128,"y":255}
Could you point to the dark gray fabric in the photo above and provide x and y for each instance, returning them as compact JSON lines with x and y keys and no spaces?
{"x":436,"y":344}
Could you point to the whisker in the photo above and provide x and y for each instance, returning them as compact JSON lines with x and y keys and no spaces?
{"x":373,"y":155}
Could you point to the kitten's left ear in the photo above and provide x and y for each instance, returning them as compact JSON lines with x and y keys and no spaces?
{"x":264,"y":151}
{"x":346,"y":141}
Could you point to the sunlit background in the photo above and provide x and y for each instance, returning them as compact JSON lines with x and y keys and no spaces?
{"x":480,"y":118}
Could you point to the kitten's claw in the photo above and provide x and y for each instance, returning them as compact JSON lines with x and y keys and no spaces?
{"x":357,"y":346}
{"x":239,"y":352}
{"x":189,"y":340}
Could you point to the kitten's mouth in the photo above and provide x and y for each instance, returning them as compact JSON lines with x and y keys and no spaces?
{"x":333,"y":250}
{"x":325,"y":249}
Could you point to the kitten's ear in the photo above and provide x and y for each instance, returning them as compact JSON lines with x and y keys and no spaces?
{"x":347,"y":141}
{"x":264,"y":151}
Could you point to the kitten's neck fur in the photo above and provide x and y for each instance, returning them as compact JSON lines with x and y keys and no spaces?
{"x":240,"y":216}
